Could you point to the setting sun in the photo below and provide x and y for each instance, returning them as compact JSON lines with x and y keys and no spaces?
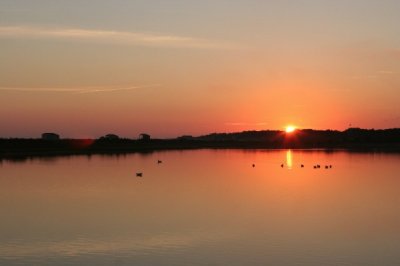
{"x":290,"y":129}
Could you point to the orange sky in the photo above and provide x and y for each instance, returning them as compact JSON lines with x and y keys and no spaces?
{"x":185,"y":67}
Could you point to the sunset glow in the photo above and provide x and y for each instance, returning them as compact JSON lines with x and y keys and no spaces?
{"x":290,"y":129}
{"x":172,"y":68}
{"x":199,"y":132}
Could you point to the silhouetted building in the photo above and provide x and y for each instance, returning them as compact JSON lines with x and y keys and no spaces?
{"x":50,"y":136}
{"x":111,"y":136}
{"x":144,"y":136}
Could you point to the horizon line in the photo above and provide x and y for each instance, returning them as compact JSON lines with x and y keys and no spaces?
{"x":197,"y":136}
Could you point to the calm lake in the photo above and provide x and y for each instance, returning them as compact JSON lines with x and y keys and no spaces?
{"x":202,"y":207}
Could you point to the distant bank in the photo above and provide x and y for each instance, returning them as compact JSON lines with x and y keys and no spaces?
{"x":386,"y":140}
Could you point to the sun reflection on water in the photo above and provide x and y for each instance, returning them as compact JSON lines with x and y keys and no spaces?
{"x":289,"y":160}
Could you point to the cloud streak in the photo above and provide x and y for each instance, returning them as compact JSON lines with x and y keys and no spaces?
{"x":245,"y":124}
{"x":76,"y":90}
{"x":111,"y":36}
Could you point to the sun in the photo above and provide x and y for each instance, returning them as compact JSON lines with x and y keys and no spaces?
{"x":290,"y":129}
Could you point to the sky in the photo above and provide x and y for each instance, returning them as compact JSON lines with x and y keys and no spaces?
{"x":87,"y":68}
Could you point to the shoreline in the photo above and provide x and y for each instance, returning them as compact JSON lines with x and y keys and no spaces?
{"x":351,"y":140}
{"x":51,"y":150}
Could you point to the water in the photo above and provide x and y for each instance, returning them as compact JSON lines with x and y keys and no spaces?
{"x":202,"y":207}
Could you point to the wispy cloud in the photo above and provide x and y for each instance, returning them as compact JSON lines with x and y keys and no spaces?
{"x":364,"y":77}
{"x":111,"y":36}
{"x":376,"y":75}
{"x":76,"y":90}
{"x":386,"y":72}
{"x":245,"y":124}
